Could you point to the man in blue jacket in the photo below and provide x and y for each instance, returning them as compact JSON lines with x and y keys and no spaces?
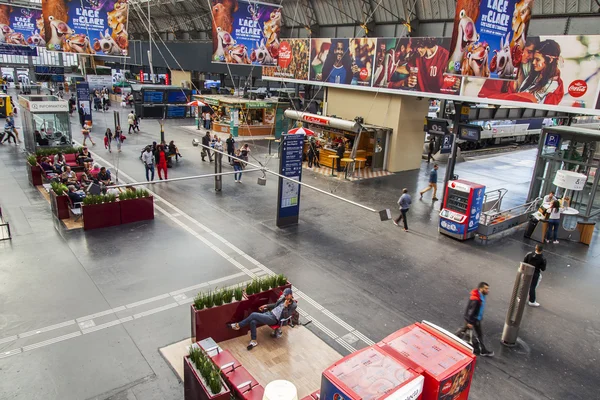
{"x":270,"y":314}
{"x":473,"y":317}
{"x":433,"y":178}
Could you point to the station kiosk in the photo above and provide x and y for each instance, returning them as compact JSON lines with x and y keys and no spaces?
{"x":461,"y":210}
{"x":370,"y":374}
{"x":446,"y":362}
{"x":45,"y":122}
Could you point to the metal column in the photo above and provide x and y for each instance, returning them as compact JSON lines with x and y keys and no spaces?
{"x":518,"y":299}
{"x":218,"y":170}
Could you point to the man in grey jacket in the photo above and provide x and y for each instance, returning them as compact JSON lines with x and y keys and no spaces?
{"x":404,"y":201}
{"x":270,"y":314}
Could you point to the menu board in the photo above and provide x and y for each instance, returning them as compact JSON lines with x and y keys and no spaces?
{"x":371,"y":374}
{"x":427,"y":351}
{"x":288,"y":201}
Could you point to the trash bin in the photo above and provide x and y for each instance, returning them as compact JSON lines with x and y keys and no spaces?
{"x":531,"y":226}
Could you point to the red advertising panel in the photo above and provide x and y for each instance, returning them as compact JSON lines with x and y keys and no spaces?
{"x":489,"y":37}
{"x":446,"y":366}
{"x":292,"y":62}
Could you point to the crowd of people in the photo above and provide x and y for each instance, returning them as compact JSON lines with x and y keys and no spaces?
{"x":156,"y":157}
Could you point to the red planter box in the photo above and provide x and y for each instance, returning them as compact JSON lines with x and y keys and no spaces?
{"x":212,"y":322}
{"x":194,"y":388}
{"x":137,"y":210}
{"x":101,"y":215}
{"x":60,"y":205}
{"x":35,"y":174}
{"x":266,"y":297}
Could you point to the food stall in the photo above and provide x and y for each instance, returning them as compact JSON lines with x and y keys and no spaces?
{"x":49,"y":116}
{"x":364,"y":141}
{"x":240,"y":116}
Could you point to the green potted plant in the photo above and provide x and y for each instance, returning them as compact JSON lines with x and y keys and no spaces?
{"x":202,"y":378}
{"x":34,"y":172}
{"x":59,"y":201}
{"x":136,"y":205}
{"x":238,"y":293}
{"x":227,"y":295}
{"x":101,"y":211}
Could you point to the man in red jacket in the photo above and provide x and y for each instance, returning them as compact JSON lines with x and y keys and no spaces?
{"x":473,"y":317}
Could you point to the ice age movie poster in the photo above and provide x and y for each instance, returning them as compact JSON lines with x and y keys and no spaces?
{"x":21,"y":26}
{"x":86,"y":26}
{"x":489,"y":37}
{"x":246,"y":32}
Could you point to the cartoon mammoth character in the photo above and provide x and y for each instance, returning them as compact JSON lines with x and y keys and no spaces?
{"x":107,"y":45}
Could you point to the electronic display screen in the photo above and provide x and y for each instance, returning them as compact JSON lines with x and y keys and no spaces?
{"x":153,"y":96}
{"x":457,"y":201}
{"x":176,"y":96}
{"x":176,"y":111}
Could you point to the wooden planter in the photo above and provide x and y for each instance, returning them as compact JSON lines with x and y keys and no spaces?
{"x":60,"y":205}
{"x":266,"y":297}
{"x":101,"y":215}
{"x":194,"y":386}
{"x":35,"y":174}
{"x":212,"y":322}
{"x":137,"y":210}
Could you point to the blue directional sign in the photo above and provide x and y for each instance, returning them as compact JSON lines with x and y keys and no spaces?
{"x":552,"y":139}
{"x":290,"y":166}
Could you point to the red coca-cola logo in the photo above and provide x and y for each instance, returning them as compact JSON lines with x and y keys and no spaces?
{"x":578,"y":88}
{"x":446,"y":387}
{"x":364,"y":74}
{"x":285,"y":55}
{"x":315,"y":120}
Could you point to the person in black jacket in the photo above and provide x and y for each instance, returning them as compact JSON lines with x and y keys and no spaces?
{"x":270,"y":314}
{"x":206,"y":150}
{"x":341,"y":149}
{"x":473,"y":317}
{"x":537,"y":260}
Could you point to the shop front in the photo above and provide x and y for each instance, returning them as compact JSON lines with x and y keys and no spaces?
{"x":366,"y":145}
{"x":239,"y":116}
{"x":45,"y":122}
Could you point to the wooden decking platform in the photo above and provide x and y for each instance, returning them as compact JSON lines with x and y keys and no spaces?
{"x":69,"y":223}
{"x":299,"y":356}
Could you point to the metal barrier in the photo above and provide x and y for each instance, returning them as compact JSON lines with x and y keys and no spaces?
{"x":4,"y":228}
{"x":492,"y":200}
{"x":518,"y":299}
{"x":493,"y":221}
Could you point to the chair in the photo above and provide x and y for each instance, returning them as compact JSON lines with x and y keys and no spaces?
{"x":75,"y":209}
{"x":277,"y":333}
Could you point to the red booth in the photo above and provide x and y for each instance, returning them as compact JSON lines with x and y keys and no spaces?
{"x":370,"y":374}
{"x":446,"y":362}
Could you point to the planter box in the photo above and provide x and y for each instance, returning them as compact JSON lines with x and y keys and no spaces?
{"x":101,"y":215}
{"x":211,"y":322}
{"x":194,"y":387}
{"x":266,"y":297}
{"x":60,"y":205}
{"x":35,"y":174}
{"x":137,"y":210}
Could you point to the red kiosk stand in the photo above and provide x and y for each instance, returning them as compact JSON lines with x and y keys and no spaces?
{"x":446,"y":362}
{"x":370,"y":374}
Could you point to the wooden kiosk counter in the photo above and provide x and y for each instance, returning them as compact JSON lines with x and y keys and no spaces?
{"x":240,"y":116}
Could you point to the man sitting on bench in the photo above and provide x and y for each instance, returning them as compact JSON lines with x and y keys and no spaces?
{"x":270,"y":314}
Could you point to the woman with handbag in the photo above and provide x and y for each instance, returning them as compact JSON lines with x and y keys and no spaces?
{"x":553,"y":222}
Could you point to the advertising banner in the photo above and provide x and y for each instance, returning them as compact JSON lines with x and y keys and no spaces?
{"x":245,"y":32}
{"x":86,"y":27}
{"x":21,"y":26}
{"x":415,"y":64}
{"x":17,"y":50}
{"x":554,"y":70}
{"x":342,"y":61}
{"x":292,"y":62}
{"x":489,"y":37}
{"x":83,"y":100}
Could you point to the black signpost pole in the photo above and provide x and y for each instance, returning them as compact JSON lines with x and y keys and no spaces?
{"x":452,"y":158}
{"x":290,"y":166}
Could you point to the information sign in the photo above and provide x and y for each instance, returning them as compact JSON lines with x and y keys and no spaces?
{"x":290,"y":166}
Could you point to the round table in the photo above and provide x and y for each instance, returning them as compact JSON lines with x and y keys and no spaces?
{"x":569,"y":211}
{"x":333,"y":160}
{"x":360,"y":160}
{"x":280,"y":390}
{"x":347,"y":161}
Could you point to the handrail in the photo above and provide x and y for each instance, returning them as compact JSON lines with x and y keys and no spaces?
{"x":497,"y":192}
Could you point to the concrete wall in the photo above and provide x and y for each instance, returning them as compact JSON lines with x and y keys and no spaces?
{"x":405,"y":115}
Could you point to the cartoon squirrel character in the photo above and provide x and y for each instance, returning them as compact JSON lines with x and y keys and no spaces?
{"x":475,"y":62}
{"x":78,"y":43}
{"x":116,"y":21}
{"x":39,"y":23}
{"x":271,"y":31}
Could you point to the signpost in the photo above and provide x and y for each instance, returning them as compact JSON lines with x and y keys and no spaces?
{"x":436,"y":126}
{"x":290,"y":166}
{"x":447,"y":144}
{"x":83,"y":99}
{"x":469,"y":132}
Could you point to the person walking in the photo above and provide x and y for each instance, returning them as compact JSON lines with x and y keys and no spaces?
{"x":148,"y":160}
{"x":431,"y":148}
{"x":473,"y":317}
{"x":108,"y":137}
{"x":207,"y":120}
{"x":85,"y":131}
{"x":310,"y":154}
{"x":72,"y":103}
{"x":81,"y":112}
{"x":218,"y":145}
{"x":131,"y":122}
{"x":433,"y":177}
{"x":8,"y":131}
{"x":206,"y":146}
{"x":230,"y":142}
{"x":537,"y":260}
{"x":238,"y":168}
{"x":404,"y":201}
{"x":245,"y":152}
{"x":161,"y":162}
{"x":118,"y":137}
{"x":553,"y":222}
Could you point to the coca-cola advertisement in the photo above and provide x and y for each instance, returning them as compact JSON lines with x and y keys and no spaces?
{"x":292,"y":62}
{"x":415,"y":64}
{"x":554,"y":70}
{"x":362,"y":51}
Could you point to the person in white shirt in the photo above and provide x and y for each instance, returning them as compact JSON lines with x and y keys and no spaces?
{"x":148,"y":160}
{"x":549,"y":198}
{"x":553,"y":222}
